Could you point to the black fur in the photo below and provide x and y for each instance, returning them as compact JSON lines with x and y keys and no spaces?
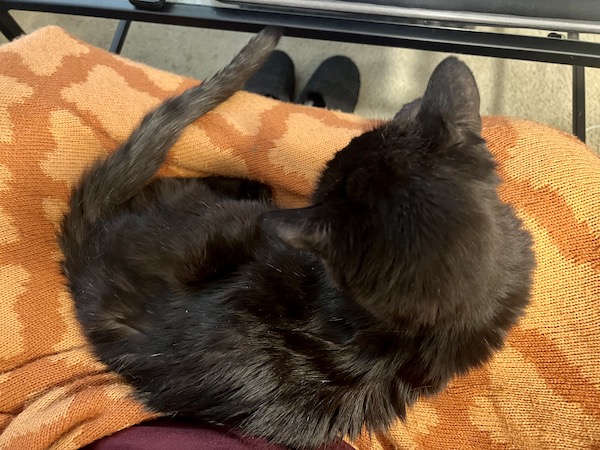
{"x":303,"y":325}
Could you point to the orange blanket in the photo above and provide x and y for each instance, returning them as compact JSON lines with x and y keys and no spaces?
{"x":63,"y":103}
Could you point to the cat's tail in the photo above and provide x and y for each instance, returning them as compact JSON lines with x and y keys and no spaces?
{"x":113,"y":181}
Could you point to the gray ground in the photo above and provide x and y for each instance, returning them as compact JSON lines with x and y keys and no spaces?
{"x":391,"y":76}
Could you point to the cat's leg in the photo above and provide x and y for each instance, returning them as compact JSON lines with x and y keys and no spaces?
{"x":239,"y":188}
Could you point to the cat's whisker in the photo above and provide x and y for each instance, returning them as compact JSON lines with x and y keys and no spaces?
{"x":420,"y":387}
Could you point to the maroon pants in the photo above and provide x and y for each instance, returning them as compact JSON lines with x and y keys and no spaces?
{"x":164,"y":433}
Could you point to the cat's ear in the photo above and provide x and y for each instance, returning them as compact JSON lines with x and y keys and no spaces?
{"x":451,"y":99}
{"x":408,"y":111}
{"x":302,"y":228}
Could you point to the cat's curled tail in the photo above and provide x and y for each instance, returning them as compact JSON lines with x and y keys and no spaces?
{"x":114,"y":180}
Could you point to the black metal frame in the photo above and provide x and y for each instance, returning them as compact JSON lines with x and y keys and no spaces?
{"x":371,"y":30}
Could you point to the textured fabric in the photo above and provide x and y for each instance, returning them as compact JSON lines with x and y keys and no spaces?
{"x":63,"y":103}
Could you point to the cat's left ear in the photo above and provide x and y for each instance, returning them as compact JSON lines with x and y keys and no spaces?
{"x":302,"y":228}
{"x":451,"y":99}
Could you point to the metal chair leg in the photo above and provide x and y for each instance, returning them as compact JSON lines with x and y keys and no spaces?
{"x":579,"y":102}
{"x":120,"y":36}
{"x":8,"y":26}
{"x":578,"y":98}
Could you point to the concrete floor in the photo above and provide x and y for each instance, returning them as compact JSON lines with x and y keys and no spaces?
{"x":391,"y":77}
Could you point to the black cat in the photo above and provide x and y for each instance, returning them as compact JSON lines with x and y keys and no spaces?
{"x":301,"y":325}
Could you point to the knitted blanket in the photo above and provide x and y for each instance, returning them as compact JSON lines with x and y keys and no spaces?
{"x":63,"y":103}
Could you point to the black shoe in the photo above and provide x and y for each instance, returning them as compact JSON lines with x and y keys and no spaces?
{"x":275,"y":79}
{"x":334,"y":85}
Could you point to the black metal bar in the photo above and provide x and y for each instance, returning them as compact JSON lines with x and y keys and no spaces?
{"x":8,"y":26}
{"x":529,"y":48}
{"x":120,"y":35}
{"x":579,"y":107}
{"x":579,"y":102}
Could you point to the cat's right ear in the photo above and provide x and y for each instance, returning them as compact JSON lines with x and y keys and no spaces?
{"x":301,"y":228}
{"x":451,"y":100}
{"x":408,"y":111}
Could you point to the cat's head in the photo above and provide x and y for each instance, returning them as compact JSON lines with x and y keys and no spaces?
{"x":403,"y":216}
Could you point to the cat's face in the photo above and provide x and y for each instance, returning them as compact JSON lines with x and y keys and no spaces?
{"x":405,"y":208}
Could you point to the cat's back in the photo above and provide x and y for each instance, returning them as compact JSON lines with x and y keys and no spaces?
{"x":176,"y":236}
